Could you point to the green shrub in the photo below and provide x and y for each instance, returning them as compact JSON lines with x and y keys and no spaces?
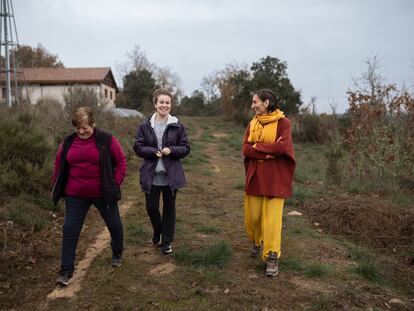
{"x":309,"y":128}
{"x":25,"y":164}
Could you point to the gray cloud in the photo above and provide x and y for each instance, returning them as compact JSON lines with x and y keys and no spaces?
{"x":324,"y":42}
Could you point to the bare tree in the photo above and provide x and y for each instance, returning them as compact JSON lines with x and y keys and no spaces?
{"x":310,"y":108}
{"x":210,"y":87}
{"x":372,"y":80}
{"x":164,"y":76}
{"x":334,"y":152}
{"x":312,"y":104}
{"x":136,"y":60}
{"x":167,"y":79}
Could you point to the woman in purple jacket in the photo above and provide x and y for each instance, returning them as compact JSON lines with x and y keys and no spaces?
{"x":162,"y":142}
{"x":90,"y":167}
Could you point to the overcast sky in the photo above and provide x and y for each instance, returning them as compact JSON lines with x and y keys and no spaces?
{"x":324,"y":42}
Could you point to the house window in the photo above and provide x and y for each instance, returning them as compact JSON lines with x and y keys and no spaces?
{"x":110,"y":95}
{"x":3,"y":92}
{"x":106,"y":93}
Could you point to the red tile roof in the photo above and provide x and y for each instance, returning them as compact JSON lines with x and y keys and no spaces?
{"x":43,"y":75}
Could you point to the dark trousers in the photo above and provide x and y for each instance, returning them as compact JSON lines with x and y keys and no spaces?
{"x":75,"y":213}
{"x":163,"y":225}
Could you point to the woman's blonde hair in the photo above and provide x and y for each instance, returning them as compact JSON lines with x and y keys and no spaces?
{"x":83,"y":115}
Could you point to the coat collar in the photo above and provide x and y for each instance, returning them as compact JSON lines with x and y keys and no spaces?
{"x":170,"y":120}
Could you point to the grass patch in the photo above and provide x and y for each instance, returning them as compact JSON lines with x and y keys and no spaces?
{"x":368,"y":270}
{"x":200,"y":274}
{"x":291,"y":264}
{"x":311,"y":270}
{"x":300,"y":195}
{"x":136,"y":234}
{"x":196,"y":156}
{"x":300,"y":177}
{"x":321,"y":304}
{"x":21,"y":215}
{"x":235,"y":142}
{"x":239,"y":186}
{"x":42,"y":201}
{"x":207,"y":137}
{"x":216,"y":255}
{"x":369,"y":184}
{"x":403,"y":199}
{"x":367,"y":267}
{"x":195,"y":159}
{"x":208,"y":229}
{"x":196,"y":147}
{"x":298,"y":227}
{"x":317,"y":270}
{"x":290,"y":201}
{"x":355,"y":186}
{"x":310,"y":162}
{"x":212,"y":275}
{"x":225,"y":153}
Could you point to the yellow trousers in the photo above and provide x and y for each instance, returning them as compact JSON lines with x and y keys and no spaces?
{"x":263,"y":221}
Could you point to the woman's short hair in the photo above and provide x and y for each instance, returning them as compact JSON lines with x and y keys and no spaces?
{"x":160,"y":92}
{"x":83,"y":115}
{"x":274,"y":101}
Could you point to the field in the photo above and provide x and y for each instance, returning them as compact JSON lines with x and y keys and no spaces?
{"x":344,"y":251}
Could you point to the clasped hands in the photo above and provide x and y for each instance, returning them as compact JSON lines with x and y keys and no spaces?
{"x":163,"y":152}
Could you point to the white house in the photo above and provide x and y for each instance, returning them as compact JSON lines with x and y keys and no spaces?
{"x":42,"y":82}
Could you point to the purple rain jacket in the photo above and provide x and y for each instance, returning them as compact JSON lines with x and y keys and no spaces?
{"x":146,"y":147}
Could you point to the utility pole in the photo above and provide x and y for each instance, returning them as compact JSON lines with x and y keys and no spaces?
{"x":5,"y":16}
{"x":9,"y":40}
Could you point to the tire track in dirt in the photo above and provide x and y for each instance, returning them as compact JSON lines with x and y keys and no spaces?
{"x":212,"y":149}
{"x":81,"y":268}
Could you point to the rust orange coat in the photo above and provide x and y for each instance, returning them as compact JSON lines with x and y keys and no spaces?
{"x":270,"y":176}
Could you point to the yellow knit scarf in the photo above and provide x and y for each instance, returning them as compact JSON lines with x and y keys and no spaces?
{"x":263,"y":128}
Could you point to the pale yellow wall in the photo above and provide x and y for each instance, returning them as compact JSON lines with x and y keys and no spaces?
{"x":111,"y":101}
{"x":37,"y":91}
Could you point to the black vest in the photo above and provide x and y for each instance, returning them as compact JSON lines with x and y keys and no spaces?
{"x":110,"y":190}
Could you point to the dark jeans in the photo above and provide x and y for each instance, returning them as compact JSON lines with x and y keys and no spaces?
{"x":75,"y":213}
{"x":163,"y":225}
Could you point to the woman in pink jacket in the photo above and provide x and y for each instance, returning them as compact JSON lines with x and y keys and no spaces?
{"x":89,"y":168}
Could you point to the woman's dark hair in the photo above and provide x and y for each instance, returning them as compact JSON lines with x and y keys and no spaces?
{"x":160,"y":92}
{"x":274,"y":102}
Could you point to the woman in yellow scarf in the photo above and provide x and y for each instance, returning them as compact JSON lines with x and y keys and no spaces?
{"x":270,"y":164}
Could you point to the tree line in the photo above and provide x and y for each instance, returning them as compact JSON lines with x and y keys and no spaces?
{"x":222,"y":92}
{"x":226,"y":91}
{"x":373,"y":140}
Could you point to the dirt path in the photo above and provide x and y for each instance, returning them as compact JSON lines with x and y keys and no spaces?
{"x":75,"y":283}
